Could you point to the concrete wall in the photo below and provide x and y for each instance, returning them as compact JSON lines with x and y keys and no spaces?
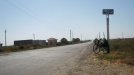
{"x":39,"y":42}
{"x":33,"y":42}
{"x":23,"y":42}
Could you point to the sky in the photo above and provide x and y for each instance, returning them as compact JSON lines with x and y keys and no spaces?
{"x":55,"y":18}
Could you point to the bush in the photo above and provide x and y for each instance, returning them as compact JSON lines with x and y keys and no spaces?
{"x":10,"y":49}
{"x":59,"y":44}
{"x":21,"y":47}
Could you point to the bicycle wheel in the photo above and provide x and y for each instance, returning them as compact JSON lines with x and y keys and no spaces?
{"x":96,"y":49}
{"x":105,"y":50}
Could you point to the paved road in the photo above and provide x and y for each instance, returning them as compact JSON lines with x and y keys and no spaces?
{"x":40,"y":61}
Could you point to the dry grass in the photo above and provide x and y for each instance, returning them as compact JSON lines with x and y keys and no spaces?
{"x":30,"y":47}
{"x":122,"y":51}
{"x":22,"y":48}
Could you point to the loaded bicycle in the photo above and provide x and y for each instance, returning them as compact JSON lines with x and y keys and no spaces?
{"x":100,"y":45}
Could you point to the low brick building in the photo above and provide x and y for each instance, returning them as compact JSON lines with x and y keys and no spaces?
{"x":52,"y":41}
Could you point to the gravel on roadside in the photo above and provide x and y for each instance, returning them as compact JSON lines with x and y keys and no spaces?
{"x":88,"y":64}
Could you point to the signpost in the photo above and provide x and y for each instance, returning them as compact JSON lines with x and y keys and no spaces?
{"x":108,"y":12}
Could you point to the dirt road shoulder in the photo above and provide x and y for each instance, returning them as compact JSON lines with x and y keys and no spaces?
{"x":88,"y":64}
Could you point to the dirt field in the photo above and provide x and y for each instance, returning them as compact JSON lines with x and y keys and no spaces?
{"x":88,"y":64}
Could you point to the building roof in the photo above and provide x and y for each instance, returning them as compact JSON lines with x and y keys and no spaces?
{"x":52,"y":39}
{"x":24,"y":40}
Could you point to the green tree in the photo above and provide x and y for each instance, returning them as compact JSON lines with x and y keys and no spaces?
{"x":76,"y":40}
{"x":64,"y":41}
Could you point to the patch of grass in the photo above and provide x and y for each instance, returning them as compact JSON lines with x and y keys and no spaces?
{"x":22,"y":48}
{"x":121,"y":50}
{"x":10,"y":49}
{"x":112,"y":56}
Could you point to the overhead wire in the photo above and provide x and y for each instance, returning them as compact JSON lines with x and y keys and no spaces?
{"x":26,"y":11}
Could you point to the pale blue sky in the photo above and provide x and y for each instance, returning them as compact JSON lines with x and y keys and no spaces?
{"x":55,"y":18}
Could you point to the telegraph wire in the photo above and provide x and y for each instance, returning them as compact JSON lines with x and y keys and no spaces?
{"x":24,"y":11}
{"x":39,"y":17}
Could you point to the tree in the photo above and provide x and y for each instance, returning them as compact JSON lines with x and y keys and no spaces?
{"x":76,"y":40}
{"x":64,"y":41}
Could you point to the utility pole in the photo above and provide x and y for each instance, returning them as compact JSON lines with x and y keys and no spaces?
{"x":81,"y":37}
{"x":103,"y":34}
{"x":33,"y":39}
{"x":5,"y":37}
{"x":108,"y":12}
{"x":99,"y":35}
{"x":122,"y":35}
{"x":70,"y":35}
{"x":34,"y":36}
{"x":107,"y":19}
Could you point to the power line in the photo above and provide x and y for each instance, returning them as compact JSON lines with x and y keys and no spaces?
{"x":39,"y":17}
{"x":25,"y":10}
